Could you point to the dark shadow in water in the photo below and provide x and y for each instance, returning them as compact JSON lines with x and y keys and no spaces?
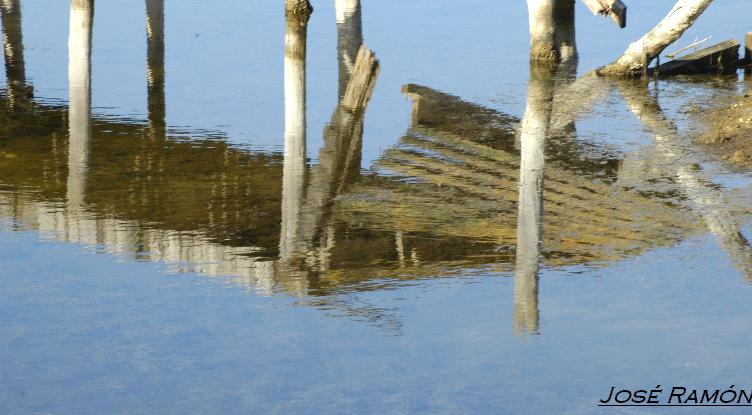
{"x":13,"y":50}
{"x":155,"y":66}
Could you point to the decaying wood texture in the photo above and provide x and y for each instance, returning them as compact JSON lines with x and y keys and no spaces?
{"x":669,"y":30}
{"x":551,"y":30}
{"x":613,"y":8}
{"x":298,"y":8}
{"x":721,"y":58}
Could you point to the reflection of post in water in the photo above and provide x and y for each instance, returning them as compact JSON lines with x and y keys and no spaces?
{"x":707,"y":199}
{"x":339,"y":159}
{"x":13,"y":49}
{"x":155,"y":64}
{"x":293,"y":178}
{"x":349,"y":38}
{"x":535,"y":131}
{"x":564,"y":33}
{"x":79,"y":90}
{"x":533,"y":134}
{"x":306,"y":212}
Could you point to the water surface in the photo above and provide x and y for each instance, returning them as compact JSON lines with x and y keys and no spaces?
{"x":218,"y":210}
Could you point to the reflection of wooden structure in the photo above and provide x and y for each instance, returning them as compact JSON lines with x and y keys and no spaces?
{"x":200,"y":204}
{"x":213,"y":208}
{"x":460,"y":170}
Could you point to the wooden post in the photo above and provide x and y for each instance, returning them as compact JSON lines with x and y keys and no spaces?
{"x":542,"y":28}
{"x":552,"y":31}
{"x":298,"y":8}
{"x":748,"y":49}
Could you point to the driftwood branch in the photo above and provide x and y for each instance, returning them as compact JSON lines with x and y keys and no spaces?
{"x":669,"y":30}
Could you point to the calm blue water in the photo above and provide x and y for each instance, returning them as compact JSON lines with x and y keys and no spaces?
{"x":166,"y":289}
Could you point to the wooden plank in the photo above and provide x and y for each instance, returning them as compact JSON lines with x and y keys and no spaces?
{"x":720,"y":58}
{"x":614,"y":8}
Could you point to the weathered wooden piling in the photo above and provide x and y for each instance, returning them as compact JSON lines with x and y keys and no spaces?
{"x":552,"y":34}
{"x":298,"y":8}
{"x":541,"y":20}
{"x":748,"y":49}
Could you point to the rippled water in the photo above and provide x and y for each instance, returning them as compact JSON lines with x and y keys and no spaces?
{"x":221,"y":211}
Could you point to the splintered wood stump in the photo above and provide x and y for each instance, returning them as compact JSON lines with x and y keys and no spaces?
{"x":614,"y":8}
{"x":720,"y":58}
{"x":362,"y":80}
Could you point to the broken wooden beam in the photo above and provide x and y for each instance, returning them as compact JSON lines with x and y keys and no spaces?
{"x":614,"y":8}
{"x":720,"y":58}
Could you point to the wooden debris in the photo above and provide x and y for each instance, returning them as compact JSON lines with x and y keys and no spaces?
{"x":720,"y":58}
{"x":694,"y":44}
{"x":614,"y":8}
